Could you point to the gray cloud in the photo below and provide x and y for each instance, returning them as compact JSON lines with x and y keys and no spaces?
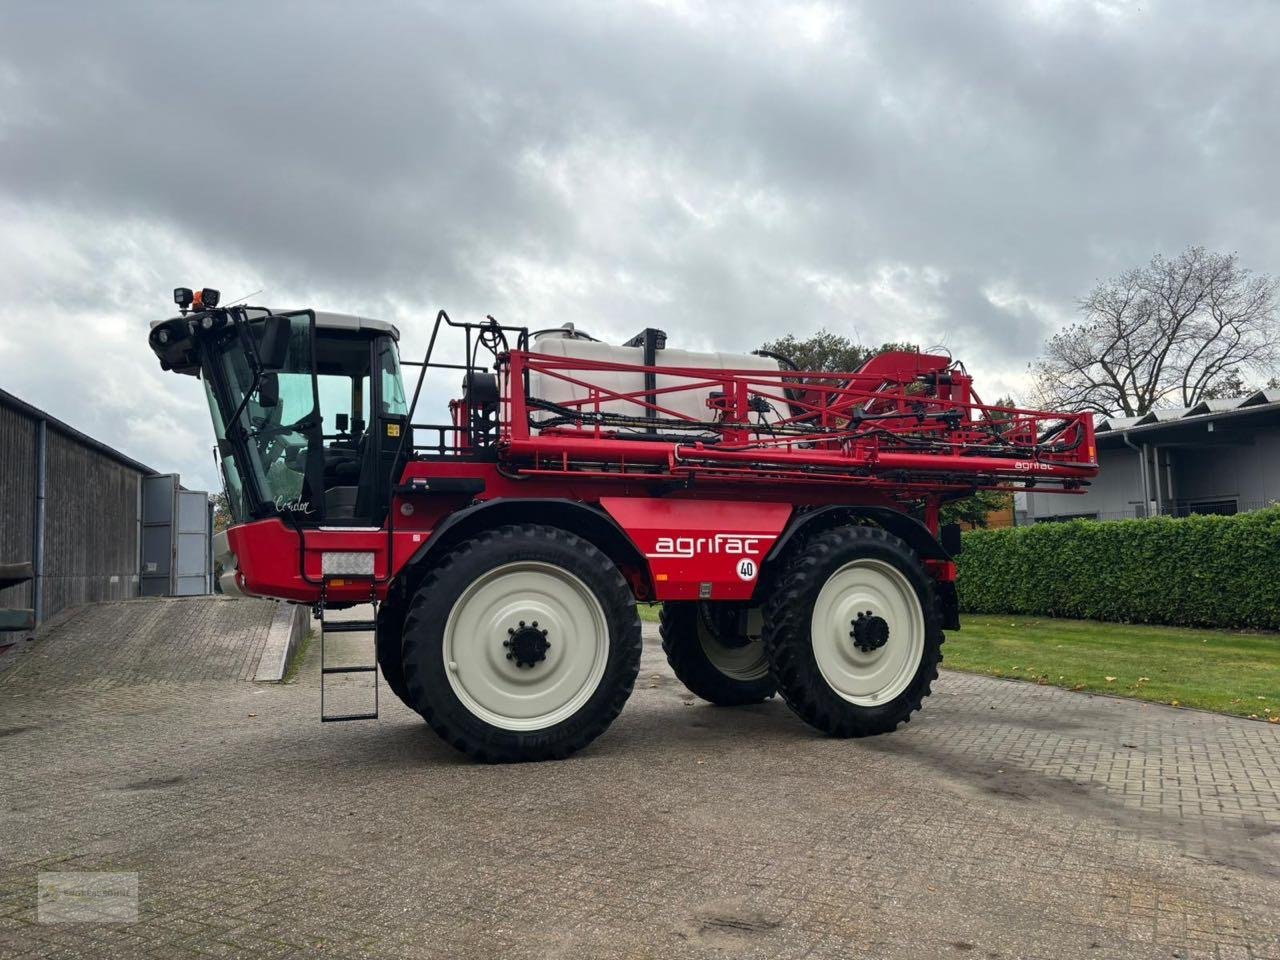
{"x":953,"y":173}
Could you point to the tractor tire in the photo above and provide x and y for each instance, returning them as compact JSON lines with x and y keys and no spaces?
{"x":853,"y":632}
{"x":389,"y":646}
{"x":729,"y":672}
{"x":522,"y":643}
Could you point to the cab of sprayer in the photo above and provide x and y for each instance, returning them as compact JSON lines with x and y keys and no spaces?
{"x":308,"y":407}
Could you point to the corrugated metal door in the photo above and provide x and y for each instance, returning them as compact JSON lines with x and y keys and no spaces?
{"x":159,"y":509}
{"x":191,"y":554}
{"x":175,"y":539}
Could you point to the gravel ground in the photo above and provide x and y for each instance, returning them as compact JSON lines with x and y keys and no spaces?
{"x":1007,"y":820}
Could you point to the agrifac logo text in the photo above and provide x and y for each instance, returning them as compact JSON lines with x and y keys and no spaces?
{"x":737,"y":544}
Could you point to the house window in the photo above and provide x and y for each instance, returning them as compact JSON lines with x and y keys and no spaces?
{"x":1222,"y":508}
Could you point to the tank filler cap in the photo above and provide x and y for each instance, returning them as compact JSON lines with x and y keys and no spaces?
{"x":565,"y":331}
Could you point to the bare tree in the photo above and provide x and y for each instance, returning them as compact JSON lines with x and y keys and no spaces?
{"x":1176,"y":331}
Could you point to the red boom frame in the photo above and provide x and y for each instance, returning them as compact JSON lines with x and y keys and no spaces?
{"x":906,"y":423}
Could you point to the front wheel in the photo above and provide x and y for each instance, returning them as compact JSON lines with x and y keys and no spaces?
{"x":521,"y":644}
{"x":388,"y":647}
{"x":853,"y":633}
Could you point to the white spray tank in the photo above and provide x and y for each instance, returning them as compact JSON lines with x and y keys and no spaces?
{"x":568,"y":342}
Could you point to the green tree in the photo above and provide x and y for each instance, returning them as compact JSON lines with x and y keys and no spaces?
{"x":977,"y":508}
{"x":221,"y":512}
{"x":829,"y":351}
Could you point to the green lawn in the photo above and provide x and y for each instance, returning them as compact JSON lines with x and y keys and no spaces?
{"x":1227,"y":671}
{"x":1222,"y":670}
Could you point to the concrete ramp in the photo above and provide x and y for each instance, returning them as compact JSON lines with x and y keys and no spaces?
{"x":167,"y":639}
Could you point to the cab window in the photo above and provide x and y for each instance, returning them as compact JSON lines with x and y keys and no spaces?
{"x":390,"y":386}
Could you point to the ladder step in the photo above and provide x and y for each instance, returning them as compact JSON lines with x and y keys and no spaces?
{"x":349,"y":626}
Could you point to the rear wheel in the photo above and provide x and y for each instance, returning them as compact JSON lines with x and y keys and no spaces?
{"x":854,"y":633}
{"x":713,"y":655}
{"x":521,"y":644}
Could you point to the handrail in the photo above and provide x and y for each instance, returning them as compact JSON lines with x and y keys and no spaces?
{"x":493,"y":329}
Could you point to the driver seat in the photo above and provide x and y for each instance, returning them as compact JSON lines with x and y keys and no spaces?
{"x":340,"y":502}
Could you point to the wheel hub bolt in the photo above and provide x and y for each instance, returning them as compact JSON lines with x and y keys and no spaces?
{"x":870,"y":632}
{"x":527,"y":644}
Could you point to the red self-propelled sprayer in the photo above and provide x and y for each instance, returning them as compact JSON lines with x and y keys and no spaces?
{"x":787,"y":520}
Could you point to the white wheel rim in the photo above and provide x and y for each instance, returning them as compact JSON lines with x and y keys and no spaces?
{"x":867,"y":679}
{"x":492,"y":687}
{"x":746,"y":662}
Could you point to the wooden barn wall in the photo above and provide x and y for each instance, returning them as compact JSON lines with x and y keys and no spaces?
{"x":91,"y":526}
{"x":17,"y":498}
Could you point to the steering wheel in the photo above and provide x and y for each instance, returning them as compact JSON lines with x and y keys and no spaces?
{"x":268,"y":429}
{"x":278,"y":435}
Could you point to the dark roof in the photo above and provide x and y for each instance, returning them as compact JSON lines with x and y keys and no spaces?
{"x":7,"y":399}
{"x":1234,"y":415}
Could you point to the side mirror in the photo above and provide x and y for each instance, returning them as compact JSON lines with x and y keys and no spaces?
{"x":342,"y":422}
{"x":273,"y":349}
{"x":268,"y":390}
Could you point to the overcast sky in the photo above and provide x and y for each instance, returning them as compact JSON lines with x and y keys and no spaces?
{"x":950,"y":173}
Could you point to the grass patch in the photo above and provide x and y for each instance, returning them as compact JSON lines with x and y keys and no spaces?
{"x":649,"y":611}
{"x":295,"y":662}
{"x":1225,"y":671}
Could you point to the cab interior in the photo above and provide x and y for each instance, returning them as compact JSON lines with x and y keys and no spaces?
{"x":343,"y":366}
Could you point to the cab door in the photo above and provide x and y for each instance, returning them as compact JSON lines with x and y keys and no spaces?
{"x":263,"y":398}
{"x":390,"y":438}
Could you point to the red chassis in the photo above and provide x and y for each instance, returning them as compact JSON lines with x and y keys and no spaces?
{"x":699,"y":517}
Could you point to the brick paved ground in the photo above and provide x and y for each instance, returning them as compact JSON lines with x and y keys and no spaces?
{"x":127,"y":642}
{"x":1007,"y":821}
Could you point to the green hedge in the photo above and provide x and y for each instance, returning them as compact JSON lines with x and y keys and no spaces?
{"x":1193,"y":571}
